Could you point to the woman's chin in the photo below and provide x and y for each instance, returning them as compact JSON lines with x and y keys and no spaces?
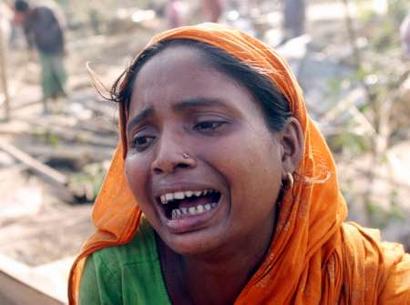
{"x":194,"y":243}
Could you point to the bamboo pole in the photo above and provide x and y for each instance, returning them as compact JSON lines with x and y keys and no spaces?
{"x":3,"y":76}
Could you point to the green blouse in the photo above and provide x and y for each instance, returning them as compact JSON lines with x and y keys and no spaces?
{"x":125,"y":275}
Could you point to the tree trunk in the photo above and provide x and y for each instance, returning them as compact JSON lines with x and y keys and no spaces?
{"x":3,"y":75}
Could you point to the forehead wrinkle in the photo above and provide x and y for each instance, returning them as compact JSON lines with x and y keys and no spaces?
{"x":144,"y":114}
{"x":154,"y":78}
{"x":195,"y":102}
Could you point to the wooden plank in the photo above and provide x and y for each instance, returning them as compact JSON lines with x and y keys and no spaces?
{"x":36,"y":165}
{"x":83,"y":154}
{"x":21,"y":285}
{"x":14,"y":292}
{"x":72,"y":134}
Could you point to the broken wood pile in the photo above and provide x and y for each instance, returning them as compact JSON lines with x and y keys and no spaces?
{"x":67,"y":148}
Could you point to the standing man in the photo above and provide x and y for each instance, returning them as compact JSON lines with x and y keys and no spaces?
{"x":44,"y":33}
{"x":174,"y":13}
{"x":212,"y":10}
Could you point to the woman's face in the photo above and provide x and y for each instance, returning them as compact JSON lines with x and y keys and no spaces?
{"x":201,"y":162}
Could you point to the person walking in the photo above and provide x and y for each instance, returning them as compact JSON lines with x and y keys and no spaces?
{"x":44,"y":33}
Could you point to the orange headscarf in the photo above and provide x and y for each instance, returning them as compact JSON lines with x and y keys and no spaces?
{"x":314,"y":258}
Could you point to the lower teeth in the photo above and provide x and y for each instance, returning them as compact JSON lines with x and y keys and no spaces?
{"x":194,"y":210}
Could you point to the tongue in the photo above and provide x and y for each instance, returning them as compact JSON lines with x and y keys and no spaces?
{"x":186,"y":203}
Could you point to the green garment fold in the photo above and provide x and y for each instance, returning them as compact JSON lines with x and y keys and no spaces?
{"x":129,"y":274}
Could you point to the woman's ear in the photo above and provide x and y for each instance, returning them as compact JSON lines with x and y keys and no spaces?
{"x":292,"y":141}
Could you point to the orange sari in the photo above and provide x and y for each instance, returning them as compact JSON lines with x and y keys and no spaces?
{"x":315,"y":258}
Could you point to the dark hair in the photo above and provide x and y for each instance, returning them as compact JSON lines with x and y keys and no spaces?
{"x":274,"y":105}
{"x":21,"y":6}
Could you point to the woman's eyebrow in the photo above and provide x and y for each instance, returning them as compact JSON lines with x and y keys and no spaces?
{"x":198,"y":102}
{"x":143,"y":115}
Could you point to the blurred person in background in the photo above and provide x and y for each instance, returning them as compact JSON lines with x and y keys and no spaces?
{"x":294,"y":17}
{"x":212,"y":10}
{"x":43,"y":32}
{"x":174,"y":13}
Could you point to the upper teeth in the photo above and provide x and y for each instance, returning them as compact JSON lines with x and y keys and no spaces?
{"x":165,"y":198}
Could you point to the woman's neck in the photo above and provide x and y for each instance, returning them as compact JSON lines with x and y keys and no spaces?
{"x":215,"y":278}
{"x":215,"y":282}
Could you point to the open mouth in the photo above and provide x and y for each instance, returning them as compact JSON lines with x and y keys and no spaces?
{"x":183,"y":204}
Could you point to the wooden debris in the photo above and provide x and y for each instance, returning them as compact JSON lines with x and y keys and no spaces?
{"x":73,"y":134}
{"x":15,"y":292}
{"x":81,"y":155}
{"x":36,"y":165}
{"x":19,"y":285}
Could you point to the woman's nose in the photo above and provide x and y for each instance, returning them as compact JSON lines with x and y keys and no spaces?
{"x":172,"y":156}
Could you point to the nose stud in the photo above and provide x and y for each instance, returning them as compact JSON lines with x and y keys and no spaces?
{"x":186,"y":156}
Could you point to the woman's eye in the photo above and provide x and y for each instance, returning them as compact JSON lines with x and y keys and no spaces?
{"x":141,"y":143}
{"x":208,"y":126}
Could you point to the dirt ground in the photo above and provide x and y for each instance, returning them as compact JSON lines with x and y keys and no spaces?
{"x":39,"y":228}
